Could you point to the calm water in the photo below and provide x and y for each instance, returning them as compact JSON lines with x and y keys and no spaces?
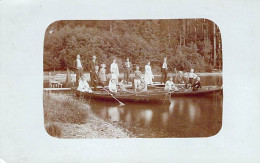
{"x":183,"y":117}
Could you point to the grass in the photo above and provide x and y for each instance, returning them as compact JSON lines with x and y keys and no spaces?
{"x":64,"y":109}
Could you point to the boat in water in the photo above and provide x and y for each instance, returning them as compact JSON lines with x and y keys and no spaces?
{"x":138,"y":97}
{"x":155,"y":95}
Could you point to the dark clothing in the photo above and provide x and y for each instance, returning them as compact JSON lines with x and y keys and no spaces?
{"x":127,"y":71}
{"x":164,"y":75}
{"x":195,"y":86}
{"x":95,"y":80}
{"x":92,"y":66}
{"x":79,"y":72}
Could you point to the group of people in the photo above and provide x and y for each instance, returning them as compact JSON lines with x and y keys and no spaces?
{"x":98,"y":76}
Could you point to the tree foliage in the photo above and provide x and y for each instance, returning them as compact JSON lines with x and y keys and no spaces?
{"x":187,"y":43}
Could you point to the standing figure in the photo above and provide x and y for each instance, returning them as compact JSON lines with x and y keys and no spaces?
{"x":169,"y":86}
{"x":92,"y":65}
{"x":186,"y":80}
{"x":128,"y":67}
{"x":114,"y":71}
{"x":192,"y":76}
{"x":95,"y":79}
{"x":102,"y":75}
{"x":77,"y":65}
{"x":148,"y":76}
{"x":164,"y":71}
{"x":137,"y":78}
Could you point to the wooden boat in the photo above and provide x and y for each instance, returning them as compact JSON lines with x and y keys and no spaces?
{"x":204,"y":91}
{"x":140,"y":97}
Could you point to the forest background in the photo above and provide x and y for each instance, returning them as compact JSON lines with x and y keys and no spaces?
{"x":187,"y":43}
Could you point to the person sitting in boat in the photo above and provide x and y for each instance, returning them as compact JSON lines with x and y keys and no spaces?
{"x":192,"y":76}
{"x":169,"y":86}
{"x":122,"y":85}
{"x":137,"y":78}
{"x":142,"y":86}
{"x":83,"y":85}
{"x":112,"y":85}
{"x":179,"y":78}
{"x":196,"y":85}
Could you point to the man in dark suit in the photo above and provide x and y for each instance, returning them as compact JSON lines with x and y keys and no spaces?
{"x":128,"y":66}
{"x":164,"y":71}
{"x":78,"y":66}
{"x":92,"y":69}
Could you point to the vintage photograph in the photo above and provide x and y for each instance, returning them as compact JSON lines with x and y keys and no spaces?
{"x":159,"y":78}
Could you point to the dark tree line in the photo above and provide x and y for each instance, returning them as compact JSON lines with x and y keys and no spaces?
{"x":187,"y":43}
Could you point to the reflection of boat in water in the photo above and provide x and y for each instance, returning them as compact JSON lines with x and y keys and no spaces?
{"x":140,"y":97}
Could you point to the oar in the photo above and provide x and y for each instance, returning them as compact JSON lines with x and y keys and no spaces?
{"x":120,"y":103}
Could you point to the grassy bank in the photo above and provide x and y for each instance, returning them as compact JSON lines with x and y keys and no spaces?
{"x":66,"y":117}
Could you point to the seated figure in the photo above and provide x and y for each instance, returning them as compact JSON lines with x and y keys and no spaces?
{"x":83,"y":85}
{"x":142,"y":87}
{"x":169,"y":86}
{"x":112,"y":85}
{"x":122,"y":85}
{"x":196,"y":85}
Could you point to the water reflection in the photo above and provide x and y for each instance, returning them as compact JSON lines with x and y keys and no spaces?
{"x":187,"y":115}
{"x":183,"y":117}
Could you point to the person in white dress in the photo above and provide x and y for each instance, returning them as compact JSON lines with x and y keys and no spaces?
{"x":112,"y":85}
{"x":83,"y":85}
{"x":148,"y":74}
{"x":114,"y":70}
{"x":169,"y":86}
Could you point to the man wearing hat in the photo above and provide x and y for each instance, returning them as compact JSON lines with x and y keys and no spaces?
{"x":164,"y":71}
{"x":77,"y":65}
{"x":92,"y":70}
{"x":128,"y":67}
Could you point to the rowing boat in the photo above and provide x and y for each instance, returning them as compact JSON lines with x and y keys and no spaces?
{"x":140,"y":97}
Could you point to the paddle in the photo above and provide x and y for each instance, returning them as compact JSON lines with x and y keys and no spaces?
{"x":120,"y":103}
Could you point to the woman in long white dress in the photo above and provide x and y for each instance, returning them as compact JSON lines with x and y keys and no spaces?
{"x":114,"y":70}
{"x":148,"y":74}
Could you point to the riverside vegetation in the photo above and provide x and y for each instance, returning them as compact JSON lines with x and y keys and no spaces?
{"x":66,"y":117}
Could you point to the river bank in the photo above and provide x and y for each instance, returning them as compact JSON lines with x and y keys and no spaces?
{"x":66,"y":117}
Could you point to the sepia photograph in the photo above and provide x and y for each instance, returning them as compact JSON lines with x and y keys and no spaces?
{"x":129,"y":81}
{"x":132,"y":78}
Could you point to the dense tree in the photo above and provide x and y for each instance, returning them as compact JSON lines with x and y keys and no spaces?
{"x":188,"y":43}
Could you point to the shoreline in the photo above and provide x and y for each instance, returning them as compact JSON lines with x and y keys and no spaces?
{"x":94,"y":127}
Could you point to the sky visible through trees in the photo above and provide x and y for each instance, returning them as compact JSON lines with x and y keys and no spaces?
{"x":187,"y":43}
